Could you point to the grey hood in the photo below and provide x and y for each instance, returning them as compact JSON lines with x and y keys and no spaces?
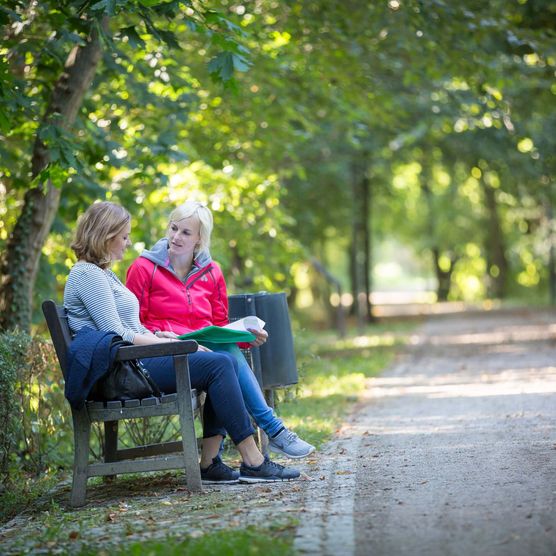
{"x":159,"y":255}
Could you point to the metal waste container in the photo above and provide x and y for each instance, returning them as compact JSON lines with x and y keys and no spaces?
{"x":274,"y":362}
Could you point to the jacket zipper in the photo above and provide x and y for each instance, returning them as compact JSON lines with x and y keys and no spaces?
{"x":190,"y":285}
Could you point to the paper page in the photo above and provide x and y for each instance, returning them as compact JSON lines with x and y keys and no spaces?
{"x":245,"y":323}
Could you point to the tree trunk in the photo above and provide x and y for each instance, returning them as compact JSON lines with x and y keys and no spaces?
{"x":360,"y":252}
{"x":339,"y":314}
{"x":367,"y":250}
{"x":353,"y":277}
{"x":495,"y":245}
{"x":443,"y":277}
{"x":551,"y":255}
{"x":21,"y":260}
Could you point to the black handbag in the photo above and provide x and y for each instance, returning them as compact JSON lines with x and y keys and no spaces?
{"x":126,"y":380}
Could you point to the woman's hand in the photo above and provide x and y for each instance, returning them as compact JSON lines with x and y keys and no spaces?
{"x":165,"y":334}
{"x":261,"y":336}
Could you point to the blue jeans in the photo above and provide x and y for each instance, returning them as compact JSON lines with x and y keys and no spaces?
{"x":216,"y":374}
{"x":252,"y":393}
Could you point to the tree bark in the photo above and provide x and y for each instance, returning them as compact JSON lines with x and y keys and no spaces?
{"x":334,"y":283}
{"x":367,"y":249}
{"x":495,"y":245}
{"x":443,"y":277}
{"x":21,"y":260}
{"x":551,"y":255}
{"x":353,"y":250}
{"x":360,"y":253}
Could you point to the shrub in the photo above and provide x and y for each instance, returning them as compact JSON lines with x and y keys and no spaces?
{"x":45,"y":441}
{"x":35,"y":428}
{"x":13,"y":352}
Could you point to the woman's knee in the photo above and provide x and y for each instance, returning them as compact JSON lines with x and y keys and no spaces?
{"x":221,"y":365}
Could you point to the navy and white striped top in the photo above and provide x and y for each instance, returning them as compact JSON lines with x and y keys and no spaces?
{"x":96,"y":298}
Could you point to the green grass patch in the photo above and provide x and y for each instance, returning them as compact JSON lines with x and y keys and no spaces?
{"x":333,"y":374}
{"x":228,"y":542}
{"x":23,"y":490}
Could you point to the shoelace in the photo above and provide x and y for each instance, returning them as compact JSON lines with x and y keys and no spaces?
{"x":291,"y":436}
{"x":217,"y":464}
{"x":274,"y":464}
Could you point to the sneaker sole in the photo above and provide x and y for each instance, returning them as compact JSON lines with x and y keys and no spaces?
{"x":264,"y":480}
{"x":281,"y":452}
{"x":213,"y":482}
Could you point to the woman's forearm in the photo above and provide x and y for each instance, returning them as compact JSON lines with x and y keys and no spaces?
{"x":146,"y":339}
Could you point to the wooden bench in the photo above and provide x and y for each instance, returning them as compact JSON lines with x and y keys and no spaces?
{"x":155,"y":457}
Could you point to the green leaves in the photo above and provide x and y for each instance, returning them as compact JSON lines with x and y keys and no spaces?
{"x":133,"y":37}
{"x":61,"y":147}
{"x":223,"y":65}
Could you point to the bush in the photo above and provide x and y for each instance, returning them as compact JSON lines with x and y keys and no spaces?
{"x":13,"y":353}
{"x":45,"y":441}
{"x":35,"y":423}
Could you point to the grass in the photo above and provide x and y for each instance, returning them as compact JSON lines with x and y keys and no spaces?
{"x":248,"y":541}
{"x":23,"y":490}
{"x":333,"y":374}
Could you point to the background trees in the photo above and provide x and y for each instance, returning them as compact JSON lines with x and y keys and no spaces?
{"x":423,"y":126}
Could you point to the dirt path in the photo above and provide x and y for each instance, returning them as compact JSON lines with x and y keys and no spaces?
{"x":453,"y":451}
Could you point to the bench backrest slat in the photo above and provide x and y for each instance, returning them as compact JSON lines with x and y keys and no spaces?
{"x":57,"y":322}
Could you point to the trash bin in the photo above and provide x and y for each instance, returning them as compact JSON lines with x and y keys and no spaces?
{"x":274,"y":362}
{"x":243,"y":305}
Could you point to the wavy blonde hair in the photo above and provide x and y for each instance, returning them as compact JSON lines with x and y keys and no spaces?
{"x":96,"y":227}
{"x":202,"y":213}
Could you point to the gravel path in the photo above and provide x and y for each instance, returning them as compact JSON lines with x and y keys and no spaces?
{"x":453,"y":452}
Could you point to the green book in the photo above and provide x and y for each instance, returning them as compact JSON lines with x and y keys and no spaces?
{"x":219,"y":335}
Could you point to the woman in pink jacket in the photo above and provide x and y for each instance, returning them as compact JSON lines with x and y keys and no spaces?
{"x":181,"y":289}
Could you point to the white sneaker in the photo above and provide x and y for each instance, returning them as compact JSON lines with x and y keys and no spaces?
{"x":289,"y":444}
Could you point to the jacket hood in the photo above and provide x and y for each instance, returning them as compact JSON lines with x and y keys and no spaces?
{"x":159,"y":255}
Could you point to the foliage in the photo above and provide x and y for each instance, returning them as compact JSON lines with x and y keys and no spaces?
{"x":13,"y":355}
{"x":46,"y":437}
{"x":53,"y":53}
{"x":35,"y":433}
{"x":36,"y":428}
{"x":448,"y":99}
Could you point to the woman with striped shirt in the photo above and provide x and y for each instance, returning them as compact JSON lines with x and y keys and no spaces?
{"x":95,"y":297}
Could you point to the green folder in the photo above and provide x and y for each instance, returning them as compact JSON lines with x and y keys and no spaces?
{"x":219,"y":335}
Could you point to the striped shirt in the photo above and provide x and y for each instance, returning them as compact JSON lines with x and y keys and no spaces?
{"x":96,"y":298}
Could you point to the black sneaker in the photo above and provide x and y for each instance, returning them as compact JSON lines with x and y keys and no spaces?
{"x":219,"y":472}
{"x":268,"y":471}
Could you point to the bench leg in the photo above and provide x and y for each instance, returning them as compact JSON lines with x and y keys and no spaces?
{"x":110,"y":443}
{"x":81,"y":435}
{"x":187,"y":423}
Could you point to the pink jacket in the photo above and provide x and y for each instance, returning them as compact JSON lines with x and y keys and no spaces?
{"x":167,"y":303}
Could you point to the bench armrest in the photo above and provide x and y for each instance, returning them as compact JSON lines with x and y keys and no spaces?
{"x":181,"y":347}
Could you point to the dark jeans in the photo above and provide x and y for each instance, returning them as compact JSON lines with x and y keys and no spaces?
{"x":216,"y":374}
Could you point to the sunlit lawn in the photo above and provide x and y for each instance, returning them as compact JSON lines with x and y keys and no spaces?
{"x":220,"y":543}
{"x":333,"y":374}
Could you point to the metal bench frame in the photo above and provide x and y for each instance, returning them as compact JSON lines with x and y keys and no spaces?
{"x":155,"y":457}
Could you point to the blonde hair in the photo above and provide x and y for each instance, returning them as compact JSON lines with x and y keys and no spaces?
{"x":96,"y":227}
{"x":202,"y":213}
